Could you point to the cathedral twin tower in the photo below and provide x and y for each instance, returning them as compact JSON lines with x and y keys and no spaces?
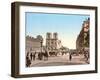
{"x":50,"y":36}
{"x":52,"y":41}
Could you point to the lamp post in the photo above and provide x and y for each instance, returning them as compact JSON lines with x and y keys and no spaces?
{"x":41,"y":49}
{"x":41,"y":41}
{"x":39,"y":37}
{"x":41,"y":44}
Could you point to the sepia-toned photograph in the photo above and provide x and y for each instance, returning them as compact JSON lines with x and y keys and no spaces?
{"x":56,"y":39}
{"x":53,"y":39}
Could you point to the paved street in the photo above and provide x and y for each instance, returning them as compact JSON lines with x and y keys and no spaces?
{"x":60,"y":60}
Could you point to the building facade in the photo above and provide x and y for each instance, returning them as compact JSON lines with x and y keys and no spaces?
{"x":34,"y":44}
{"x":83,"y":37}
{"x":52,"y":42}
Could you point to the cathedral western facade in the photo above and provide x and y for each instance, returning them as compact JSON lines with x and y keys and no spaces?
{"x":52,"y":41}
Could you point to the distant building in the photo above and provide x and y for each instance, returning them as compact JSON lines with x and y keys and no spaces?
{"x":83,"y":37}
{"x":34,"y":44}
{"x":59,"y":45}
{"x":52,"y":42}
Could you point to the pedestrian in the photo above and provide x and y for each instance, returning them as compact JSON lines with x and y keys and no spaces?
{"x":31,"y":56}
{"x":40,"y":55}
{"x":70,"y":56}
{"x":86,"y":56}
{"x":34,"y":55}
{"x":45,"y":55}
{"x":28,"y":61}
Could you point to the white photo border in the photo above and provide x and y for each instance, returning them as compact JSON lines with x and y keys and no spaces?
{"x":55,"y":69}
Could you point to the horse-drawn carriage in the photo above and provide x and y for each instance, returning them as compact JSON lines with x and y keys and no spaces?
{"x":52,"y":53}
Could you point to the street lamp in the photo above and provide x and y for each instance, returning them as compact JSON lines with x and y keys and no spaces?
{"x":41,"y":44}
{"x":41,"y":41}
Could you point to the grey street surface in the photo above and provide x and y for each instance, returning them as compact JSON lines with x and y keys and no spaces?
{"x":60,"y":60}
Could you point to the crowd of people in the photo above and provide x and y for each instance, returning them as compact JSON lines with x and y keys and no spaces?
{"x":32,"y":56}
{"x":86,"y":54}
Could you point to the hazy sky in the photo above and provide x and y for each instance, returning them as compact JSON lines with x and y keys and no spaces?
{"x":67,"y":26}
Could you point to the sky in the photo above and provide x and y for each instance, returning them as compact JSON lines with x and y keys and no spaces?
{"x":68,"y":26}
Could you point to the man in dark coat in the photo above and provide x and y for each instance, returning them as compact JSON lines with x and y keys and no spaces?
{"x":70,"y":56}
{"x":31,"y":56}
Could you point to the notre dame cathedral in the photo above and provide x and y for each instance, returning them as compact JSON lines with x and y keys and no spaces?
{"x":52,"y":41}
